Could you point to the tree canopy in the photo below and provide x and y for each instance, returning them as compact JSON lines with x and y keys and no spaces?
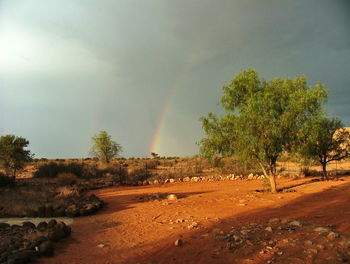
{"x":104,"y":147}
{"x":13,"y":154}
{"x":325,"y":140}
{"x":262,"y":119}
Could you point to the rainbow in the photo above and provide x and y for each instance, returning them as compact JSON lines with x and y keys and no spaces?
{"x":157,"y":135}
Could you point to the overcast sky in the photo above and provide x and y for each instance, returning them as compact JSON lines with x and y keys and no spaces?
{"x":146,"y":70}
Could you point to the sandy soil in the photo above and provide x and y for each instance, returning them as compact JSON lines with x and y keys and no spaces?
{"x":139,"y":227}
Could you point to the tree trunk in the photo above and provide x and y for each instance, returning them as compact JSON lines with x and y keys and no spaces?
{"x":272,"y":178}
{"x":324,"y":171}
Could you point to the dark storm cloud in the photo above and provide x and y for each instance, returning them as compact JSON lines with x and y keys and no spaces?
{"x":71,"y":68}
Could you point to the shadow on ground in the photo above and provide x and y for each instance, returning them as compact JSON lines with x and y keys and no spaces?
{"x":328,"y":208}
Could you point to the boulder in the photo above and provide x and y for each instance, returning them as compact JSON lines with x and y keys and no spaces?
{"x":45,"y":249}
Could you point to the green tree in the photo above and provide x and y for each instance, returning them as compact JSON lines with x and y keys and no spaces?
{"x":262,"y":119}
{"x":13,"y":154}
{"x":325,"y":140}
{"x":104,"y":147}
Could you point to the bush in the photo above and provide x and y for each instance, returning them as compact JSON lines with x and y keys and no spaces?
{"x":66,"y":178}
{"x":5,"y":180}
{"x":52,"y":169}
{"x":136,"y":174}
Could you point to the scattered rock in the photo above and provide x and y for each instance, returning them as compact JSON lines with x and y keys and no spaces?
{"x":269,"y":229}
{"x":193,"y":225}
{"x":171,"y":197}
{"x":322,"y":229}
{"x":295,"y":223}
{"x":178,"y":243}
{"x":332,"y":235}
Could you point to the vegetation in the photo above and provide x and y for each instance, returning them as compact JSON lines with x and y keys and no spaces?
{"x":262,"y":119}
{"x":13,"y":154}
{"x":104,"y":147}
{"x":325,"y":140}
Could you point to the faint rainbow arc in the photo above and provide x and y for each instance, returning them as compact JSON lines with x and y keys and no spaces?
{"x":162,"y":118}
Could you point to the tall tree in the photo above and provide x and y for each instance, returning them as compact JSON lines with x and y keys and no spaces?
{"x":263,"y":119}
{"x":104,"y":147}
{"x":13,"y":154}
{"x":325,"y":140}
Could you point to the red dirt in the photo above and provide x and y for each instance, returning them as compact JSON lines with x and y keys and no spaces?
{"x":136,"y":229}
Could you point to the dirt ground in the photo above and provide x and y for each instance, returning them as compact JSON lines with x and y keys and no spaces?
{"x":139,"y":225}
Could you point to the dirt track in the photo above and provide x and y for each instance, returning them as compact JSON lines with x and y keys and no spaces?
{"x":136,"y":228}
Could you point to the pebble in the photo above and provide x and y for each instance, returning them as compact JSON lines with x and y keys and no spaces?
{"x":322,"y":229}
{"x":332,"y":235}
{"x":269,"y":229}
{"x":101,"y":245}
{"x":296,"y":223}
{"x":171,"y":197}
{"x":178,"y":243}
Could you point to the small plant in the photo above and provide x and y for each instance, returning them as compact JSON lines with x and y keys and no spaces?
{"x":66,"y":178}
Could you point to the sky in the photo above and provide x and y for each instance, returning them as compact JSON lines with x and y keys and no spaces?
{"x":146,"y":70}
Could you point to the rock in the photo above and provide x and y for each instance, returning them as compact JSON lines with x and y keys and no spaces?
{"x":155,"y":182}
{"x":101,"y":245}
{"x":348,"y":244}
{"x":52,"y":223}
{"x":171,"y":197}
{"x":296,"y":223}
{"x":269,"y":229}
{"x":274,"y":220}
{"x":308,"y":243}
{"x":322,"y":229}
{"x":186,"y":179}
{"x":4,"y":225}
{"x":42,"y":226}
{"x":171,"y":180}
{"x":193,"y":225}
{"x":194,"y":179}
{"x":332,"y":235}
{"x":250,"y":176}
{"x":46,"y":248}
{"x":178,"y":243}
{"x":284,"y":221}
{"x":28,"y":225}
{"x":21,"y":257}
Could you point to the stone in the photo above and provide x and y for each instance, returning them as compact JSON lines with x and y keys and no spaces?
{"x":322,"y":229}
{"x":269,"y":229}
{"x":42,"y":226}
{"x":274,"y":220}
{"x":251,"y":176}
{"x":46,"y":248}
{"x":186,"y":179}
{"x":52,"y":223}
{"x":28,"y":225}
{"x":171,"y":197}
{"x":193,"y":225}
{"x":332,"y":235}
{"x":308,"y":243}
{"x":178,"y":243}
{"x":101,"y":245}
{"x":296,"y":223}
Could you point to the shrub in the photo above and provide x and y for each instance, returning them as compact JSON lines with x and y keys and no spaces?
{"x":52,"y":169}
{"x":66,"y":178}
{"x":136,"y":174}
{"x":5,"y":180}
